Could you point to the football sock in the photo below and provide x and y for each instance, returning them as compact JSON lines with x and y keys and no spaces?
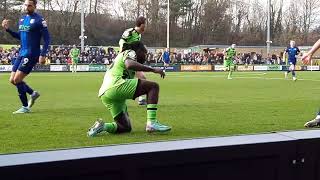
{"x":230,"y":73}
{"x":294,"y":73}
{"x":28,"y":89}
{"x":22,"y":94}
{"x":110,"y":127}
{"x":152,"y":112}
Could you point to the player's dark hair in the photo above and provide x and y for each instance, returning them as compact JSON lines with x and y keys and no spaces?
{"x":34,"y":2}
{"x":140,"y":20}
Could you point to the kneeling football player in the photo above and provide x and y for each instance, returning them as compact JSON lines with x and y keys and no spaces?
{"x":119,"y":85}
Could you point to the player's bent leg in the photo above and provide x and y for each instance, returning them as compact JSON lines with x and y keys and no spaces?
{"x":15,"y":69}
{"x":19,"y":76}
{"x":141,"y":99}
{"x":72,"y":65}
{"x":23,"y":99}
{"x":231,"y":67}
{"x":11,"y":80}
{"x":230,"y":74}
{"x":293,"y":68}
{"x":22,"y":90}
{"x":123,"y":123}
{"x":152,"y":90}
{"x":34,"y":95}
{"x":115,"y":100}
{"x":76,"y":67}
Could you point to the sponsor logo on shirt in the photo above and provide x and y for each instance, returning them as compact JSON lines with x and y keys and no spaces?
{"x":24,"y":28}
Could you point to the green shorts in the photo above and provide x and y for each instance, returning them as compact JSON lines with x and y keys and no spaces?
{"x":115,"y":98}
{"x":228,"y":63}
{"x":75,"y":60}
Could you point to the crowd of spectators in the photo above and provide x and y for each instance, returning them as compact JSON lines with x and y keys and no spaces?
{"x":217,"y":58}
{"x":61,"y":55}
{"x":100,"y":55}
{"x":91,"y":55}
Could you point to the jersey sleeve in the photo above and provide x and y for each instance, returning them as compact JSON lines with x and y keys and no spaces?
{"x":13,"y":34}
{"x":298,"y":50}
{"x":46,"y":36}
{"x":121,"y":43}
{"x":126,"y":34}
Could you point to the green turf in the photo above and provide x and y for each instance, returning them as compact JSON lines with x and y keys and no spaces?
{"x":194,"y":104}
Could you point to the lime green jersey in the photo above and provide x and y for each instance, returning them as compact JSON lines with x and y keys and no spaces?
{"x":129,"y":36}
{"x":74,"y":53}
{"x":117,"y":73}
{"x":231,"y":53}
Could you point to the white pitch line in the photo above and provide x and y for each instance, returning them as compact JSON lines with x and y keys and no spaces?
{"x":207,"y":74}
{"x":246,"y":77}
{"x":315,"y":80}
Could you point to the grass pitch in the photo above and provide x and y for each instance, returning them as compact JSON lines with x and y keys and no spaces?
{"x":194,"y":104}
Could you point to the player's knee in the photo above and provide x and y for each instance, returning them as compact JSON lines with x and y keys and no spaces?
{"x":12,"y":81}
{"x":155,"y":86}
{"x":16,"y":80}
{"x":123,"y":123}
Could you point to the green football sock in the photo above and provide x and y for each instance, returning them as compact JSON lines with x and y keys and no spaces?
{"x":110,"y":127}
{"x":152,"y":112}
{"x":230,"y":73}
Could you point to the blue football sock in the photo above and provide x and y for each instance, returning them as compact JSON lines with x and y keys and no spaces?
{"x":27,"y":88}
{"x":22,"y":94}
{"x":294,"y":73}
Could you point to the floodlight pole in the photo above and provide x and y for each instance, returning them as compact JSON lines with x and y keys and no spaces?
{"x":82,"y":37}
{"x":268,"y":28}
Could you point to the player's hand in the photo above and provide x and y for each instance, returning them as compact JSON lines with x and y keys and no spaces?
{"x":5,"y":24}
{"x":42,"y":60}
{"x":306,"y":58}
{"x":159,"y":71}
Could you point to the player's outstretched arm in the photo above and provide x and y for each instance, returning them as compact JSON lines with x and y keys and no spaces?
{"x":6,"y":26}
{"x":133,"y":65}
{"x":307,"y":57}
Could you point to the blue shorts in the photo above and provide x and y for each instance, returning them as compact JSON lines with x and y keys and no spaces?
{"x":167,"y":61}
{"x":24,"y":64}
{"x":292,"y":62}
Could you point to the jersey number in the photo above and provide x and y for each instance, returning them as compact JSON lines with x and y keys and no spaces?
{"x":25,"y":61}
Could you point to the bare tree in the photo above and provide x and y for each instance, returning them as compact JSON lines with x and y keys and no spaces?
{"x":309,"y":15}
